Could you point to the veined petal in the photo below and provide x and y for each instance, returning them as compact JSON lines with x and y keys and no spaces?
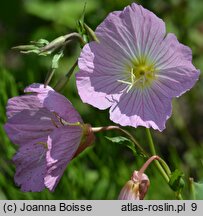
{"x":29,"y":125}
{"x":16,"y":105}
{"x":62,"y":145}
{"x":88,"y":95}
{"x":175,"y":81}
{"x":135,"y":51}
{"x":115,"y":37}
{"x":142,"y":108}
{"x":29,"y":101}
{"x":30,"y":164}
{"x":170,"y":53}
{"x":98,"y":81}
{"x":61,"y":105}
{"x":146,"y":28}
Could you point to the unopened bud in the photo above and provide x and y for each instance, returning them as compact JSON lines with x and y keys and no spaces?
{"x":130,"y":191}
{"x":136,"y":188}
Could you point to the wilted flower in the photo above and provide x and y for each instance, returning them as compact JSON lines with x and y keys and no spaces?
{"x":49,"y":132}
{"x":135,"y":69}
{"x":137,"y":187}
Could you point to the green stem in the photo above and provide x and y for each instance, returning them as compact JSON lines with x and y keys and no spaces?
{"x":64,"y":80}
{"x":49,"y":77}
{"x":91,"y":33}
{"x":179,"y":196}
{"x":107,"y":128}
{"x":192,"y":189}
{"x":153,"y":152}
{"x":164,"y":172}
{"x":165,"y":166}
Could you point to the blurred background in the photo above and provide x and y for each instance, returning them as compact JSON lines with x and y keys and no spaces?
{"x":101,"y":171}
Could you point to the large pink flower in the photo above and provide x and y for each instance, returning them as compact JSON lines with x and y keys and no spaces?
{"x":135,"y":69}
{"x":49,"y":132}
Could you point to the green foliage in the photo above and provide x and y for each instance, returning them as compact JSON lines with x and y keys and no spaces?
{"x":62,"y":12}
{"x":198,"y":190}
{"x":123,"y":141}
{"x":176,"y":181}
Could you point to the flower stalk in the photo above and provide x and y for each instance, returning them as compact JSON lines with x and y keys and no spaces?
{"x":192,"y":188}
{"x":113,"y":127}
{"x":163,"y":167}
{"x":153,"y":152}
{"x":64,"y":80}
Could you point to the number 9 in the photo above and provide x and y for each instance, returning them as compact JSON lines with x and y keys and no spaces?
{"x":194,"y":206}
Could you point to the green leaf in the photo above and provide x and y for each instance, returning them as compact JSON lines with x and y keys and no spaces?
{"x":55,"y":60}
{"x":118,"y":139}
{"x":176,"y":181}
{"x":80,"y":23}
{"x":123,"y":141}
{"x":198,"y":190}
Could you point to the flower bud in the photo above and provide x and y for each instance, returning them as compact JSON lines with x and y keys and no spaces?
{"x":136,"y":188}
{"x":130,"y":191}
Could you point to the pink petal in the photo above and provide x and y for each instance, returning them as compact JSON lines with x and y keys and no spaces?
{"x":16,"y":105}
{"x":29,"y":125}
{"x":146,"y":28}
{"x":62,"y":145}
{"x":170,"y":53}
{"x":99,"y":80}
{"x":130,"y":191}
{"x":55,"y":102}
{"x":30,"y":164}
{"x":175,"y":81}
{"x":38,"y":88}
{"x":59,"y":104}
{"x":142,"y":108}
{"x":128,"y":37}
{"x":123,"y":37}
{"x":116,"y":39}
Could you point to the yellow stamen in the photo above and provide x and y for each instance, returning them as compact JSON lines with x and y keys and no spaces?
{"x":142,"y":74}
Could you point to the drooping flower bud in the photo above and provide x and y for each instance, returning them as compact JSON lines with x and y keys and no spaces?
{"x":130,"y":191}
{"x":137,"y":187}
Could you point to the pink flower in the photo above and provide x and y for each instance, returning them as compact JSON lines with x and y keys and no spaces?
{"x":136,"y":188}
{"x":49,"y":132}
{"x":135,"y":69}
